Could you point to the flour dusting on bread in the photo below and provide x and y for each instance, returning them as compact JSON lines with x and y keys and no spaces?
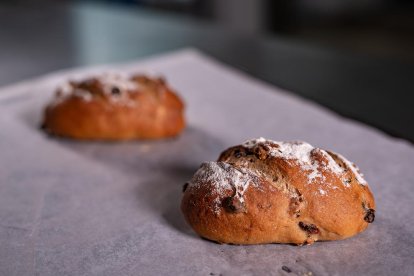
{"x":223,"y":177}
{"x":115,"y":86}
{"x":123,"y":83}
{"x":83,"y":94}
{"x":355,"y":170}
{"x":302,"y":153}
{"x":66,"y":90}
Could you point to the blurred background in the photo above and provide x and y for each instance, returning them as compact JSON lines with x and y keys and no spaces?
{"x":376,"y":27}
{"x":355,"y":57}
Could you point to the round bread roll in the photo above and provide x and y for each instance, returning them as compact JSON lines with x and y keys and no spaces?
{"x":277,"y":192}
{"x":115,"y":107}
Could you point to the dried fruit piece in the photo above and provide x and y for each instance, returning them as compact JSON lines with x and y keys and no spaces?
{"x":234,"y":204}
{"x":309,"y":228}
{"x":370,"y":215}
{"x":115,"y":91}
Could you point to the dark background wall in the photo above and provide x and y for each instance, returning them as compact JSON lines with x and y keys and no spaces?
{"x":383,"y":28}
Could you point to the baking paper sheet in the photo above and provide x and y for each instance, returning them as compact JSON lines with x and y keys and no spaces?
{"x":95,"y":208}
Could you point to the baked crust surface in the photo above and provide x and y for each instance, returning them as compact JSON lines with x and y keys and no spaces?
{"x":277,"y":192}
{"x":112,"y":107}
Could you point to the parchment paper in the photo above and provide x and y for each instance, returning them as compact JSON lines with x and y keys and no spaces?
{"x":88,"y":208}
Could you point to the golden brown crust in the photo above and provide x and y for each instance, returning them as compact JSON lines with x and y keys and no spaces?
{"x":285,"y":196}
{"x":115,"y":108}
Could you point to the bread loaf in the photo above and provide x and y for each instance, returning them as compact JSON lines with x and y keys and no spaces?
{"x":265,"y":191}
